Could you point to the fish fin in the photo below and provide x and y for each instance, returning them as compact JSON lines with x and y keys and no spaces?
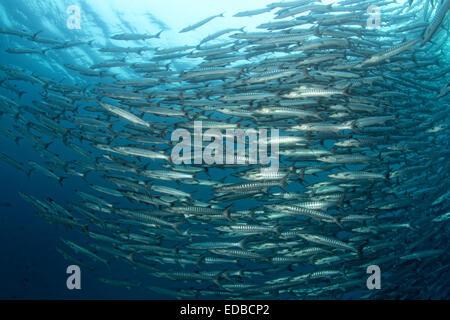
{"x":346,"y":91}
{"x":60,"y":180}
{"x":199,"y":260}
{"x":175,"y":227}
{"x":252,"y":215}
{"x":277,"y":230}
{"x":17,"y":139}
{"x":301,"y":174}
{"x":306,"y":73}
{"x":337,"y":220}
{"x":283,"y":183}
{"x":85,"y":228}
{"x":35,"y":35}
{"x":388,"y":173}
{"x":243,"y":243}
{"x":207,"y":172}
{"x":226,"y":212}
{"x":28,"y":173}
{"x":47,"y":145}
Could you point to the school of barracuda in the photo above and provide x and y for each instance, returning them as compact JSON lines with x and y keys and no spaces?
{"x":363,"y":180}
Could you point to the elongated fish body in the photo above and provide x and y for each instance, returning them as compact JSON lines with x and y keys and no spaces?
{"x":313,"y":93}
{"x":343,"y":158}
{"x":215,"y":245}
{"x":167,"y":175}
{"x":436,"y":22}
{"x":195,"y":210}
{"x":125,"y":114}
{"x":239,"y":187}
{"x":280,"y":153}
{"x":312,"y":213}
{"x":78,"y":248}
{"x":421,"y":254}
{"x":247,"y":229}
{"x":134,"y":36}
{"x":25,"y":51}
{"x":358,"y":175}
{"x":200,"y":23}
{"x":239,"y":254}
{"x":138,"y":152}
{"x":388,"y":54}
{"x":250,"y":13}
{"x":328,"y":242}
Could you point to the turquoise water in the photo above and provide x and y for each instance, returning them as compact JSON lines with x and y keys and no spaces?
{"x":32,"y":268}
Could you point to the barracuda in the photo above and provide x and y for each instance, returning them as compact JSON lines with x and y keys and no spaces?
{"x":312,"y":213}
{"x":274,"y":112}
{"x":245,"y":187}
{"x":138,"y":152}
{"x":330,"y":242}
{"x":200,"y":23}
{"x":358,"y":119}
{"x":358,"y":175}
{"x":390,"y":53}
{"x":125,"y":114}
{"x":436,"y":22}
{"x":78,"y":248}
{"x":202,"y":211}
{"x":247,"y":229}
{"x":135,"y":36}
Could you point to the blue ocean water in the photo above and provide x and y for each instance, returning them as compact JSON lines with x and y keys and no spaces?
{"x":30,"y":266}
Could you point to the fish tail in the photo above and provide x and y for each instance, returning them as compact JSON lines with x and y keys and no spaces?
{"x":60,"y":180}
{"x":283,"y":183}
{"x":35,"y":35}
{"x":277,"y":230}
{"x":175,"y":227}
{"x":346,"y":91}
{"x":130,"y":257}
{"x":243,"y":244}
{"x":301,"y":174}
{"x":227,"y":213}
{"x":28,"y":173}
{"x":20,"y":93}
{"x":337,"y":220}
{"x":388,"y":174}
